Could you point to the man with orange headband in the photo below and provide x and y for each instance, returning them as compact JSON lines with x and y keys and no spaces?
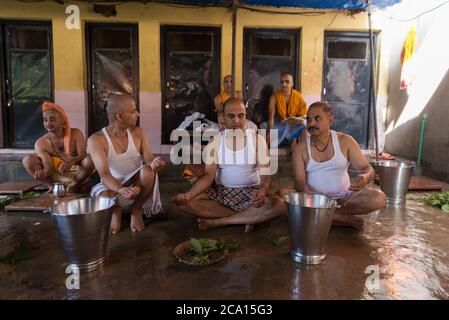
{"x":60,"y":153}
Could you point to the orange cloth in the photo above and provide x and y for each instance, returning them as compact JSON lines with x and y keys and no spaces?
{"x":67,"y":130}
{"x":408,"y":50}
{"x":58,"y":162}
{"x":296,"y":105}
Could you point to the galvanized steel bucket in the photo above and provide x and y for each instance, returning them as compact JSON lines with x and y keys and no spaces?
{"x":309,"y":221}
{"x":394,"y":178}
{"x":83,"y":225}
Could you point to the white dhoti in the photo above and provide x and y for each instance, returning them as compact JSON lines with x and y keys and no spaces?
{"x":151,"y":207}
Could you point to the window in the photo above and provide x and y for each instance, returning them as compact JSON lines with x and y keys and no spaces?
{"x":270,"y":47}
{"x":190,"y":42}
{"x":346,"y":50}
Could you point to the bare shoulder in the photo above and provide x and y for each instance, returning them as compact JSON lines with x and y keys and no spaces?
{"x":77,"y":133}
{"x":301,"y":146}
{"x":96,"y":138}
{"x":300,"y":150}
{"x":346,"y":140}
{"x":138,"y":132}
{"x":42,"y":144}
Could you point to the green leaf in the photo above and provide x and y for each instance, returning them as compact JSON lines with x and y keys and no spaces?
{"x":18,"y":254}
{"x":279,"y":241}
{"x":227,"y":246}
{"x":435,"y":202}
{"x":445,"y":207}
{"x":196,"y":246}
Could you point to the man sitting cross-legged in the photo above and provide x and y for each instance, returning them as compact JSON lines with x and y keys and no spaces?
{"x":240,"y":193}
{"x":60,"y":153}
{"x":123,"y":158}
{"x":320,"y":165}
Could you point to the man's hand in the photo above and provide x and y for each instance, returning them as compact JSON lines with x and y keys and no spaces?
{"x":157,"y":164}
{"x":258,"y":197}
{"x":294,"y":121}
{"x":129,"y":192}
{"x":65,"y":166}
{"x":39,"y":175}
{"x":358,"y":183}
{"x":181,"y":198}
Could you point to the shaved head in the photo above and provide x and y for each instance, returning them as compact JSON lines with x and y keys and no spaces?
{"x":118,"y":103}
{"x":287,"y":74}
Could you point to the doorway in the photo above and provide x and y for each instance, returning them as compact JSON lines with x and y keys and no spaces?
{"x":113,"y":67}
{"x":190,"y":75}
{"x":26,"y":75}
{"x":346,"y":82}
{"x":267,"y":54}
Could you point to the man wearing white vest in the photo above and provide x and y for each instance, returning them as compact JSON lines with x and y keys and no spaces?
{"x":320,"y":165}
{"x":240,"y":192}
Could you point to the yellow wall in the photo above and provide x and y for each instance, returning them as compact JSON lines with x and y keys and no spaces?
{"x":69,"y":50}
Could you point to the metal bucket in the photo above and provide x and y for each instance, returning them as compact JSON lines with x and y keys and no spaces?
{"x":309,"y":221}
{"x":83,"y":225}
{"x":394,"y":178}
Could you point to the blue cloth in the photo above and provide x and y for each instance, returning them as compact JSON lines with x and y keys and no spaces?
{"x":285,"y":132}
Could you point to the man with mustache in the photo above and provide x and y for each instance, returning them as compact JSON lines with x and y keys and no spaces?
{"x":320,"y":165}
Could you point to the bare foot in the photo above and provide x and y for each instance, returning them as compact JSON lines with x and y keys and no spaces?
{"x":249,"y":228}
{"x":204,"y":224}
{"x":351,"y":221}
{"x":137,"y":223}
{"x":116,"y":222}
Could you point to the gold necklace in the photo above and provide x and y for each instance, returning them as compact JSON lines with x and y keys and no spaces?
{"x":325,"y":147}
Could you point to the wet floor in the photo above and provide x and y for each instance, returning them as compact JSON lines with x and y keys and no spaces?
{"x":402,"y":254}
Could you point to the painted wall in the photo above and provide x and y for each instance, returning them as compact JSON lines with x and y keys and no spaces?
{"x":70,"y":61}
{"x":429,"y":93}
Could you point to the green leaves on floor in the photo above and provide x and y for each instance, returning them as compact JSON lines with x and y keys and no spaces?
{"x":439,"y":200}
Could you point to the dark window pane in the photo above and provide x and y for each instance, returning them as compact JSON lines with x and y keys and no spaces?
{"x":270,"y":47}
{"x":31,"y":85}
{"x":28,"y":39}
{"x":190,"y":42}
{"x":113,"y":39}
{"x":346,"y":50}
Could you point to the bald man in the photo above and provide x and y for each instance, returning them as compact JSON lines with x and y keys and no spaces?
{"x":123,"y":158}
{"x":221,"y":98}
{"x":286,"y":113}
{"x":236,"y":163}
{"x":60,"y":153}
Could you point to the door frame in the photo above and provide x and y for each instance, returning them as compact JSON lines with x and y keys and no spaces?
{"x":164,"y":29}
{"x":248,"y":32}
{"x":7,"y":129}
{"x":354,"y":35}
{"x":90,"y":67}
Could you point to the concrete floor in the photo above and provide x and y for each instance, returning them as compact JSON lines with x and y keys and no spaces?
{"x":408,"y":247}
